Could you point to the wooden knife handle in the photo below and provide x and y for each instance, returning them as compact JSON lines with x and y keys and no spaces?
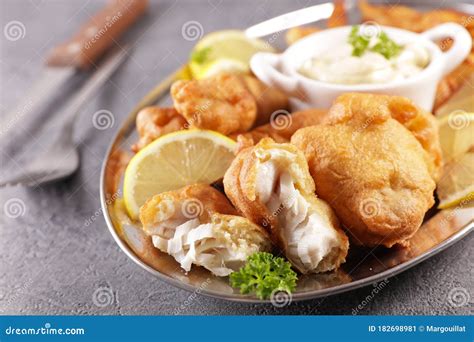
{"x":98,"y":34}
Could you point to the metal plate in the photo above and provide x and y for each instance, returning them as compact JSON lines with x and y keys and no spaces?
{"x":440,"y":230}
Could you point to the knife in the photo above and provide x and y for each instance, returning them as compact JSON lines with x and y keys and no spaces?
{"x":292,"y":19}
{"x":77,"y":55}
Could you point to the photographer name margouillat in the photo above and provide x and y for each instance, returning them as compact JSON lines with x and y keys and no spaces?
{"x":445,"y":329}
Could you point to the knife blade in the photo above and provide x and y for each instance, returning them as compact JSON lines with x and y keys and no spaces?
{"x":292,"y":19}
{"x":78,"y":54}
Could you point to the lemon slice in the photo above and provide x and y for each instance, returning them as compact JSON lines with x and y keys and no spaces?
{"x":224,"y":45}
{"x":461,"y":100}
{"x":456,"y":186}
{"x":456,"y":133}
{"x":173,"y":161}
{"x":221,"y":65}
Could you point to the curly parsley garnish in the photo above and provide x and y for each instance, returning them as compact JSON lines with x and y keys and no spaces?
{"x":263,"y":273}
{"x":362,"y":43}
{"x":359,"y":43}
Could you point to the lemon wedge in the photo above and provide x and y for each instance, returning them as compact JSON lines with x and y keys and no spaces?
{"x":221,"y":65}
{"x":228,"y":50}
{"x":173,"y":161}
{"x":456,"y":185}
{"x":461,"y":100}
{"x":456,"y":133}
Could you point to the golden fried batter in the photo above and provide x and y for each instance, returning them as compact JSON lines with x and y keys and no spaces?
{"x":153,"y":122}
{"x":419,"y":122}
{"x":370,"y":169}
{"x":281,"y":127}
{"x":453,"y":82}
{"x":268,"y":99}
{"x":270,"y":184}
{"x":197,"y":225}
{"x":227,"y":102}
{"x":338,"y":17}
{"x":221,"y":103}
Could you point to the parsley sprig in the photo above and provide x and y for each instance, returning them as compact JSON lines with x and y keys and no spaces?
{"x":264,"y":273}
{"x":361,"y":44}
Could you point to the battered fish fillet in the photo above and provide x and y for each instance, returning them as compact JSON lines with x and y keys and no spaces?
{"x":409,"y":18}
{"x":338,"y":16}
{"x":270,"y":184}
{"x":268,"y":99}
{"x":452,"y":82}
{"x":370,"y":169}
{"x":197,"y":225}
{"x":153,"y":122}
{"x":281,"y":127}
{"x":420,"y":123}
{"x":226,"y":103}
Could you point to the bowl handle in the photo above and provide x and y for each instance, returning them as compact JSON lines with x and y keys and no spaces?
{"x":264,"y":66}
{"x":461,"y":47}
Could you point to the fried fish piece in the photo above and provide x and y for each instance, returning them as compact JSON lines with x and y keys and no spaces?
{"x":409,"y":18}
{"x":221,"y":103}
{"x":393,"y":15}
{"x":338,"y":16}
{"x":268,"y":99}
{"x":227,"y":102}
{"x":153,"y":122}
{"x":270,"y":184}
{"x":370,"y":168}
{"x":280,"y":128}
{"x":197,"y":225}
{"x":419,"y":122}
{"x":452,"y":82}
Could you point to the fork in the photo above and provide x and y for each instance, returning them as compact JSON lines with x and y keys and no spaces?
{"x":62,"y":159}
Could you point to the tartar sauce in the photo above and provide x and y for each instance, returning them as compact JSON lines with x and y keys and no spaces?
{"x":339,"y":66}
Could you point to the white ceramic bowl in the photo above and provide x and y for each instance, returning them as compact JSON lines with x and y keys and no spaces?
{"x":281,"y":70}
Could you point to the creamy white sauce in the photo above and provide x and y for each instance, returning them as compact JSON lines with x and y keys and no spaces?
{"x":339,"y":66}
